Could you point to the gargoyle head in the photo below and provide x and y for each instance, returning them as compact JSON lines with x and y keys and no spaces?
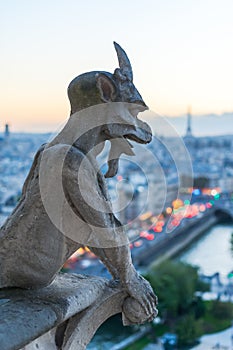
{"x":97,"y":87}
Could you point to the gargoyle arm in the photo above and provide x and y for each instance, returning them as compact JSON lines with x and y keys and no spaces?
{"x":79,"y":182}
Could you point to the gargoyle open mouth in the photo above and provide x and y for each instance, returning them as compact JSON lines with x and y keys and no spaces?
{"x":120,"y":142}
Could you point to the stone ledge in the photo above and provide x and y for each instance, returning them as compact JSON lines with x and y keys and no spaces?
{"x":85,"y":301}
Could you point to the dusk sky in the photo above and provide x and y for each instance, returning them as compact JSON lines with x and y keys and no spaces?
{"x":181,"y":53}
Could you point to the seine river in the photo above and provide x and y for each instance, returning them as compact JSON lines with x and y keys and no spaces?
{"x":211,"y":253}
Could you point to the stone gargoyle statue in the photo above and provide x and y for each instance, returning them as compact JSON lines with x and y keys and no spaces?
{"x":65,"y":203}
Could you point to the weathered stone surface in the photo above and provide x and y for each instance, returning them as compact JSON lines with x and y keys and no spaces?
{"x":45,"y":342}
{"x":25,"y":315}
{"x":83,"y":326}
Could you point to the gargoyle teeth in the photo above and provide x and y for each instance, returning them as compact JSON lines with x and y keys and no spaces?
{"x":130,"y":144}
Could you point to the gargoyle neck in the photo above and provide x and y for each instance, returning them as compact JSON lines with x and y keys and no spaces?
{"x":91,"y":143}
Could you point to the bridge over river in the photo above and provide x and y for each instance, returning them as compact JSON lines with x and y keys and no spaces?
{"x":224,"y":207}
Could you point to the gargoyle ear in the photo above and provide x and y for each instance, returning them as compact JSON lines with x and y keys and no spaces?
{"x":107,"y":87}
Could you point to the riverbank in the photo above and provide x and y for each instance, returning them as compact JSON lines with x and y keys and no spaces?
{"x":219,"y":329}
{"x":219,"y":340}
{"x":209,"y":251}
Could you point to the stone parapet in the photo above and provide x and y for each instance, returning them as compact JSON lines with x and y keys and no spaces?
{"x":62,"y":316}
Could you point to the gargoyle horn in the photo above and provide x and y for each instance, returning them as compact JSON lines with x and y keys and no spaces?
{"x":124,"y":62}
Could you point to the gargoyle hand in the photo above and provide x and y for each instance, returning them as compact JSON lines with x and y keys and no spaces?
{"x":140,"y":306}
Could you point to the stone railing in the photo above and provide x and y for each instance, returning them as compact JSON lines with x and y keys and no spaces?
{"x":63,"y":316}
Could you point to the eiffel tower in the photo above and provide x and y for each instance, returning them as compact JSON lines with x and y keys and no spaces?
{"x":189,"y":120}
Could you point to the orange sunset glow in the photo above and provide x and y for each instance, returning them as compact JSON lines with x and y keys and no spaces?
{"x":181,"y":53}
